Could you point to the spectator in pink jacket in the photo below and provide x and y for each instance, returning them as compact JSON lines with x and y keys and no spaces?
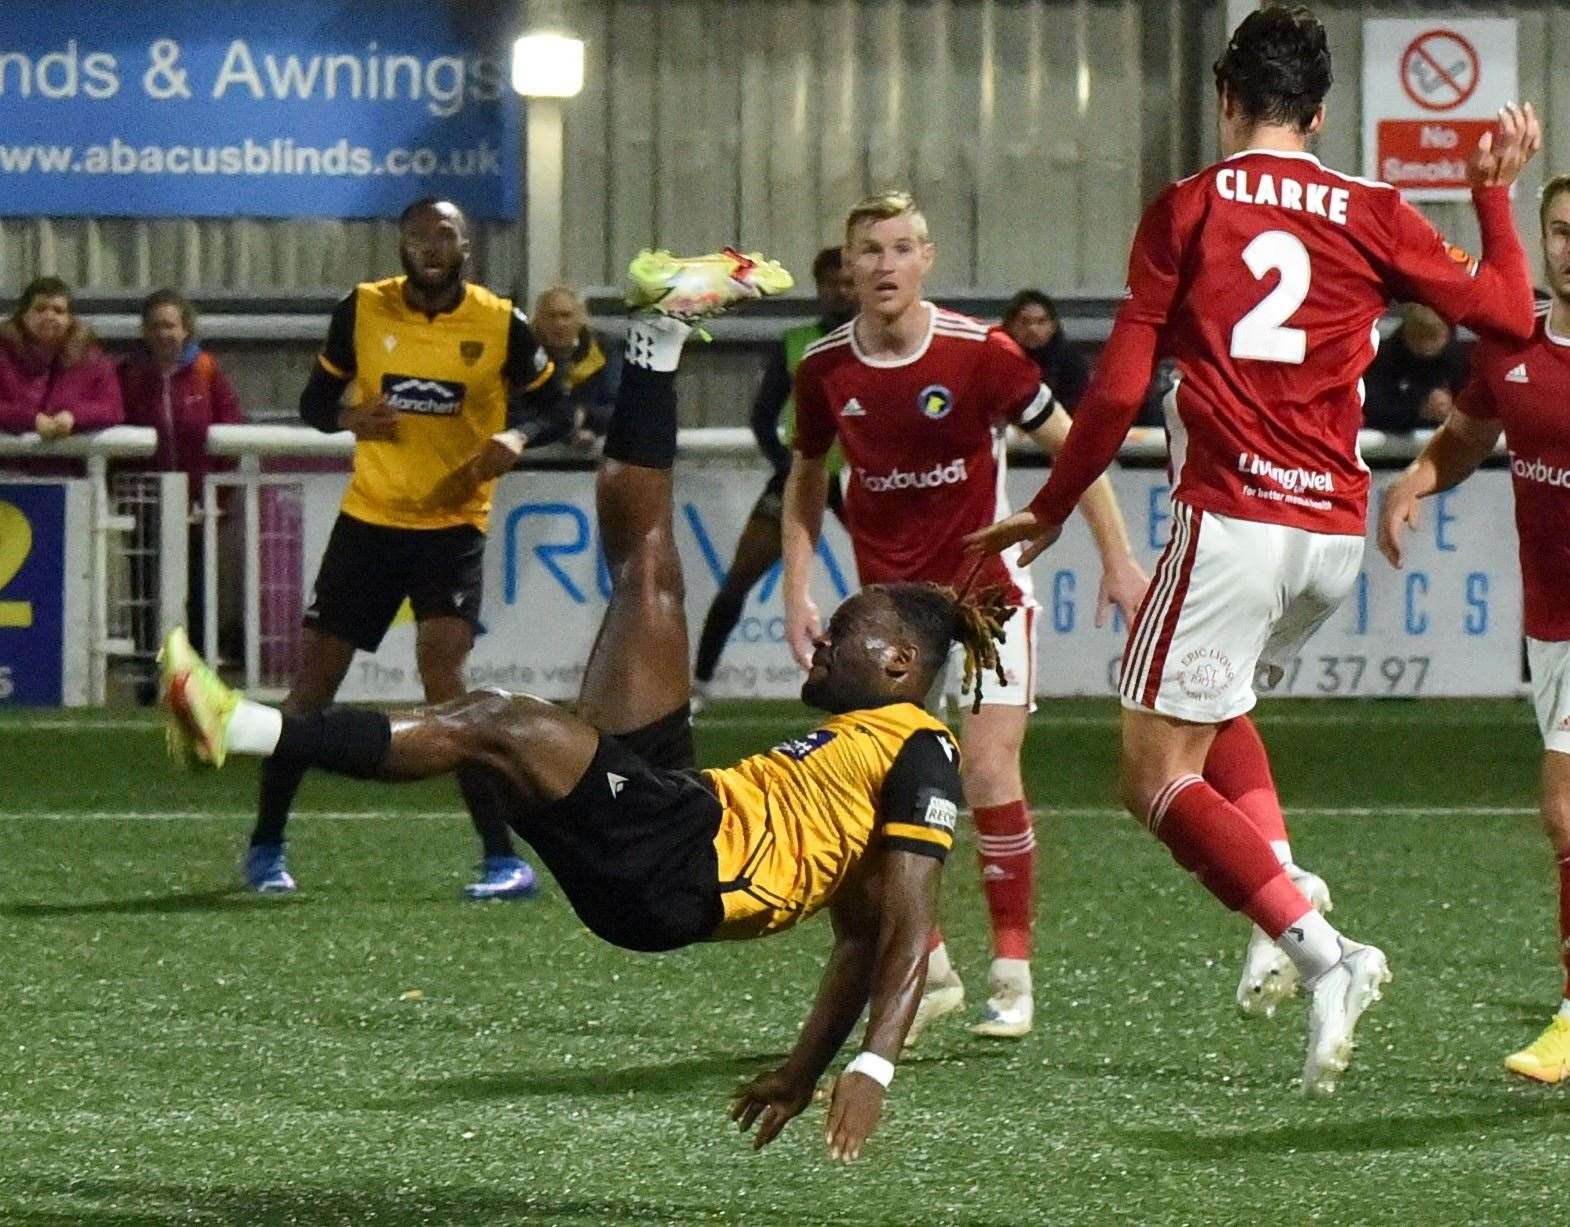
{"x":171,"y":384}
{"x":54,"y":378}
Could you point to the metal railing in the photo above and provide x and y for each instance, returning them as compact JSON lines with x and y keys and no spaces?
{"x":95,"y":451}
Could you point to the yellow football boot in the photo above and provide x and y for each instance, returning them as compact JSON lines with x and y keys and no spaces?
{"x":200,"y":706}
{"x":1547,"y":1058}
{"x":690,"y":288}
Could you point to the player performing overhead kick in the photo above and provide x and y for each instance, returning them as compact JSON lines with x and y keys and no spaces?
{"x":856,"y":816}
{"x":1262,"y":278}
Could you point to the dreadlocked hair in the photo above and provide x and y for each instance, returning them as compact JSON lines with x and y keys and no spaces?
{"x":937,"y":616}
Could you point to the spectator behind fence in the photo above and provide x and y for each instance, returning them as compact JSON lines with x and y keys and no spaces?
{"x":1031,"y":319}
{"x":1413,"y":379}
{"x":171,"y":384}
{"x":588,"y":368}
{"x":54,"y":378}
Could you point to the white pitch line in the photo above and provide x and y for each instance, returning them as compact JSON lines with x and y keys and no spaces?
{"x":1406,"y":716}
{"x":194,"y":815}
{"x":1071,"y":811}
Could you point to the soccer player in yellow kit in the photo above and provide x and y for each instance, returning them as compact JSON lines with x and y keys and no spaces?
{"x":449,"y":385}
{"x":856,"y":816}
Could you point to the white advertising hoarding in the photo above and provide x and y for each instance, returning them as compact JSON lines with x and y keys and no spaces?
{"x":1449,"y":624}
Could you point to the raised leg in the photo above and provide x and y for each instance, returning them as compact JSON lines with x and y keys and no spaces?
{"x":637,"y":672}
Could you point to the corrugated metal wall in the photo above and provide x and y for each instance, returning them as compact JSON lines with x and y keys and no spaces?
{"x":763,"y":121}
{"x":1031,"y":130}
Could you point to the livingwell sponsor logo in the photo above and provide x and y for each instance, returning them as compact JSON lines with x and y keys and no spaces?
{"x":1288,"y":479}
{"x":1540,"y":471}
{"x":950,"y":474}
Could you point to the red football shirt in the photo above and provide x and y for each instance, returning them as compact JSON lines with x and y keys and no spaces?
{"x":923,"y":442}
{"x":1262,"y":277}
{"x":1526,"y":385}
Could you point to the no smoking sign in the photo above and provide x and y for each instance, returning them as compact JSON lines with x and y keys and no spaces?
{"x":1429,"y":92}
{"x":1439,"y":70}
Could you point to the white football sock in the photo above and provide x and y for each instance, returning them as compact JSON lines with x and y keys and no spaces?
{"x":655,"y":341}
{"x":1011,"y":973}
{"x":253,"y":729}
{"x":1313,"y":945}
{"x":1283,"y":850}
{"x":938,"y":965}
{"x":1564,"y":1008}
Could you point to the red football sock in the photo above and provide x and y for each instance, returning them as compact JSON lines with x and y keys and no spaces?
{"x":1007,"y":850}
{"x":1564,"y":919}
{"x":1238,"y":768}
{"x":1212,"y":839}
{"x":934,"y":939}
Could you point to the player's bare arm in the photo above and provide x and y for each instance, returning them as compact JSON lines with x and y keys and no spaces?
{"x":1123,"y":581}
{"x":806,"y":491}
{"x":908,"y":911}
{"x":773,"y":1099}
{"x":1450,"y":457}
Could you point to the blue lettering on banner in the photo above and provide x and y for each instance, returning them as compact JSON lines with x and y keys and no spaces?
{"x":1476,"y":620}
{"x":297,"y":108}
{"x":1063,"y":601}
{"x":1160,"y":513}
{"x":1416,"y":619}
{"x":32,"y":593}
{"x":705,"y":546}
{"x":582,"y":536}
{"x":1360,"y":622}
{"x":547,"y":553}
{"x":1443,"y":518}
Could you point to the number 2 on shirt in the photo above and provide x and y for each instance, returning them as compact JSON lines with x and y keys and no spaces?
{"x":1261,"y":334}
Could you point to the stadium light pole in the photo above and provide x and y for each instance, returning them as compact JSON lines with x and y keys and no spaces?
{"x":546,"y":68}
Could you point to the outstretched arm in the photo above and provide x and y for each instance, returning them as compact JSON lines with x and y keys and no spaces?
{"x":1494,"y":294}
{"x":1103,"y":418}
{"x":772,"y":1099}
{"x":1123,"y":582}
{"x":910,"y":910}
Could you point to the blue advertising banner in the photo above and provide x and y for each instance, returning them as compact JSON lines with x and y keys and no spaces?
{"x":218,"y":108}
{"x":32,"y":593}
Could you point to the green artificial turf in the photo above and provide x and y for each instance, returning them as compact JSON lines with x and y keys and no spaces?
{"x":376,"y":1050}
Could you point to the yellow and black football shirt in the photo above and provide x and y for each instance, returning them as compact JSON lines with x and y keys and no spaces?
{"x":799,"y":818}
{"x":448,"y":376}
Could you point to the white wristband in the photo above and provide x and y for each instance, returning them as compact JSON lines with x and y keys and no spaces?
{"x":512,"y":440}
{"x":879,"y":1069}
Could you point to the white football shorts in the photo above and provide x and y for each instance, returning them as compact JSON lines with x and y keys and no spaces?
{"x":1231,"y":603}
{"x":1550,"y":665}
{"x":1017,"y":655}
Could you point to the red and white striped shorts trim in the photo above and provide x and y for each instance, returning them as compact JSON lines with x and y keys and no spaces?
{"x":1150,"y":639}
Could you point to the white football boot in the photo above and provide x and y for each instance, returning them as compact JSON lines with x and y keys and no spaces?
{"x":1338,"y":999}
{"x":942,"y":996}
{"x":1269,"y":977}
{"x":1010,"y":1006}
